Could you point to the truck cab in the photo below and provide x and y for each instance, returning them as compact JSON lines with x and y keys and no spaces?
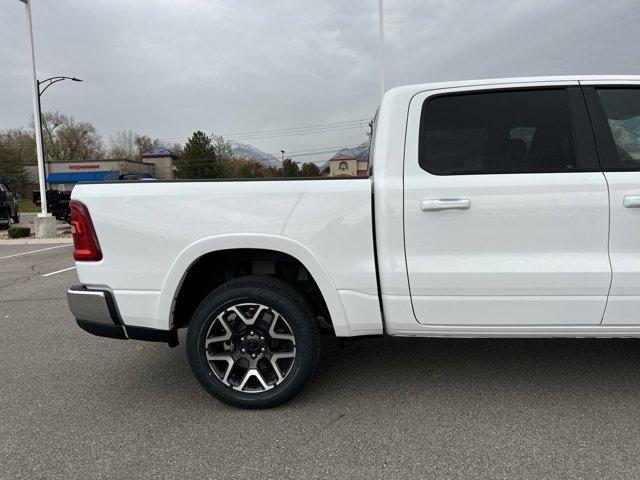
{"x":516,"y":204}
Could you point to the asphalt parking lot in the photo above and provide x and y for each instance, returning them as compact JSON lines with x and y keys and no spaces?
{"x":77,"y":406}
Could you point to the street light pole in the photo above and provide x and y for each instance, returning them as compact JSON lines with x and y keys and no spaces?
{"x":44,"y":166}
{"x":282,"y":152}
{"x":36,"y":115}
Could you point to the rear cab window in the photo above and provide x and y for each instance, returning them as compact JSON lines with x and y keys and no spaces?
{"x":513,"y":131}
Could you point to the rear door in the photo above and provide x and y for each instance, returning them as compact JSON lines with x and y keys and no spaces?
{"x":506,"y":209}
{"x":615,"y":112}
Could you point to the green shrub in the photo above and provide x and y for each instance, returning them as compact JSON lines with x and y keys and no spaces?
{"x":19,"y":232}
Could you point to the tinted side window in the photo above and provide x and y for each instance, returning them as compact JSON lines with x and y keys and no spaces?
{"x":526,"y":131}
{"x":622,"y":110}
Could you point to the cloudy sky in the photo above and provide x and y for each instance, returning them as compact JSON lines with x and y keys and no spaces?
{"x":165,"y":68}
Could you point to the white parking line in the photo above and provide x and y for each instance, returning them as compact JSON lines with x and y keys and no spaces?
{"x":36,"y":251}
{"x":59,"y":271}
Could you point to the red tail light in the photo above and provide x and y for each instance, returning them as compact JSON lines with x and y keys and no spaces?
{"x":85,"y":242}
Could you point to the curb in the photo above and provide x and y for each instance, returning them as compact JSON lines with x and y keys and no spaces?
{"x":35,"y":241}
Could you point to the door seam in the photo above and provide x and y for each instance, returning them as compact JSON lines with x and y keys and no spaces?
{"x":606,"y":303}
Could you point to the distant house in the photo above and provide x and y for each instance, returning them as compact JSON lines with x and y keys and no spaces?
{"x":350,"y":162}
{"x":163,"y":160}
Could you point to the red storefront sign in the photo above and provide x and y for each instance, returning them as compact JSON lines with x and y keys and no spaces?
{"x":82,"y":166}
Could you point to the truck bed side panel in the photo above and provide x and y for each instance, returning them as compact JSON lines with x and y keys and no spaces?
{"x":147,"y":229}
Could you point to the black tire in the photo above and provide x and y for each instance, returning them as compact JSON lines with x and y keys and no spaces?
{"x":271,"y":295}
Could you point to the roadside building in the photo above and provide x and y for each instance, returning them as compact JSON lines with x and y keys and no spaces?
{"x":163,"y":160}
{"x":158,"y":162}
{"x":64,"y":175}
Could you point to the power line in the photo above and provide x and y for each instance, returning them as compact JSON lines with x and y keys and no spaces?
{"x":295,"y":134}
{"x":287,"y":129}
{"x":357,"y":123}
{"x":277,"y":130}
{"x":280,"y":135}
{"x":321,"y":149}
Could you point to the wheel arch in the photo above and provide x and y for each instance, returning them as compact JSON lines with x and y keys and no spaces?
{"x":222,"y":244}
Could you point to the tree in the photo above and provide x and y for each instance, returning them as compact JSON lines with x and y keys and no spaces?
{"x":198,"y":158}
{"x":174,"y":147}
{"x":144,"y":143}
{"x":291,"y":168}
{"x":227,"y":165}
{"x":123,"y":145}
{"x":66,"y":139}
{"x":22,"y":142}
{"x":12,"y":169}
{"x":250,"y":170}
{"x":310,"y":170}
{"x":221,"y":147}
{"x":17,"y":149}
{"x":129,"y":145}
{"x":205,"y":156}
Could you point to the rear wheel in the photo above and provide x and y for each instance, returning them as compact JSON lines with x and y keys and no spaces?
{"x":253,"y":342}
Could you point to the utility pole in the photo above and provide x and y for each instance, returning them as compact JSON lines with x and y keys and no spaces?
{"x":381,"y":46}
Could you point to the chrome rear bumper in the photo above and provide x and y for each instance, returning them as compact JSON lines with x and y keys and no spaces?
{"x":89,"y":305}
{"x":95,"y":311}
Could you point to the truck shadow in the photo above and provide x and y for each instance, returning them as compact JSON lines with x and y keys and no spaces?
{"x":393,"y":368}
{"x":386,"y":371}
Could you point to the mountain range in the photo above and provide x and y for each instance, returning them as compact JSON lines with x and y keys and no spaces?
{"x":253,"y":154}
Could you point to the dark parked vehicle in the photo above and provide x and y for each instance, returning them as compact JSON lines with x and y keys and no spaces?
{"x":9,"y":209}
{"x":57,"y":204}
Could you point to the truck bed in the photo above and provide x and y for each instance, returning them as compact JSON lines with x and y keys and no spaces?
{"x":151,"y":232}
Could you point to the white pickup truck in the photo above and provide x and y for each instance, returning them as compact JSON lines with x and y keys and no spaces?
{"x":493,"y":208}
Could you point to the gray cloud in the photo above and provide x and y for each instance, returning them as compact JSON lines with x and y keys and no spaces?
{"x":166,"y":68}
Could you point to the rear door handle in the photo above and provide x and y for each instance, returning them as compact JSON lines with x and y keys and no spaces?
{"x":631,"y":201}
{"x":435,"y":205}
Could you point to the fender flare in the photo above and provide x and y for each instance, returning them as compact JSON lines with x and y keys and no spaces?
{"x":189,"y":255}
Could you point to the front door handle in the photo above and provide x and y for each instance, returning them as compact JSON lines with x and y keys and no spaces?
{"x":435,"y":205}
{"x":631,"y":201}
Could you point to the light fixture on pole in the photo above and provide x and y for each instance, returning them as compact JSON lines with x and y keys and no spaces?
{"x":45,"y":223}
{"x":47,"y":82}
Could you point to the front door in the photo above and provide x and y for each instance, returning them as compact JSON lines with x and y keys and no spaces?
{"x":506,"y":209}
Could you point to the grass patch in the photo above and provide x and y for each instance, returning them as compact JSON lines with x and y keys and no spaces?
{"x":27,"y":206}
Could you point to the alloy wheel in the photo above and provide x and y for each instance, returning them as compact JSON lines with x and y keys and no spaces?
{"x":250,"y":347}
